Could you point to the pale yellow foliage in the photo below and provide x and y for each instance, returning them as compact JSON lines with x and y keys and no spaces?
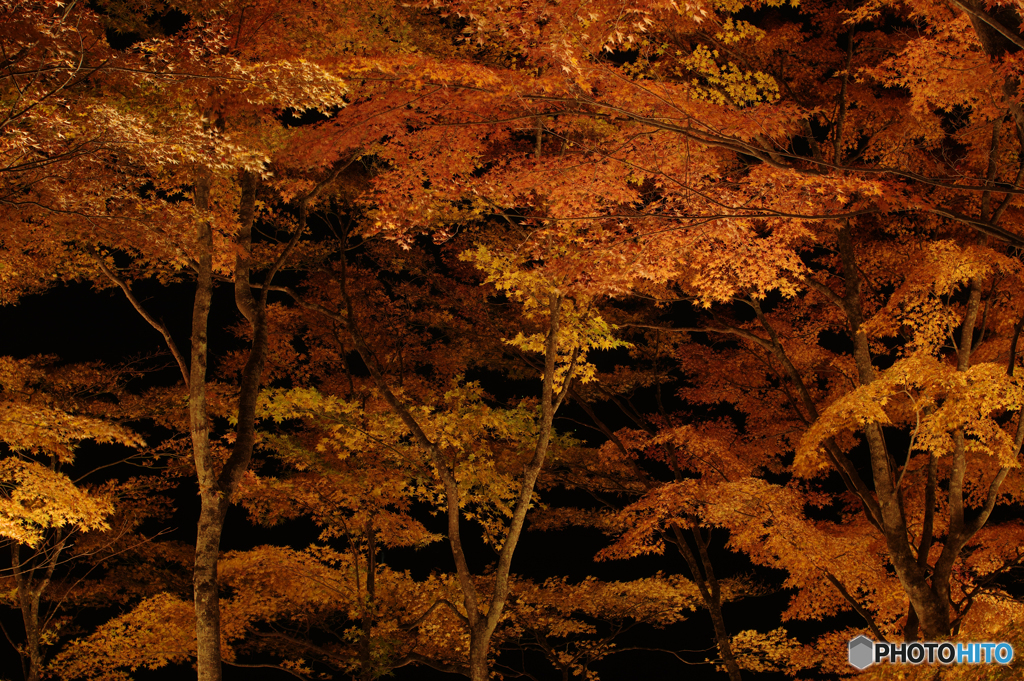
{"x":34,"y":498}
{"x":934,"y":399}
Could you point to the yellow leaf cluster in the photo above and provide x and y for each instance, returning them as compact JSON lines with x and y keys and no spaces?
{"x":34,"y":498}
{"x":932,"y":398}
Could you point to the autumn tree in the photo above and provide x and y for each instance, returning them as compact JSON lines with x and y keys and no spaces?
{"x":346,"y":472}
{"x":223,"y":177}
{"x":61,"y":520}
{"x":455,"y":430}
{"x":71,"y":158}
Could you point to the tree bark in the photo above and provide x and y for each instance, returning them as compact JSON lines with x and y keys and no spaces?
{"x":367,"y":668}
{"x":479,"y":646}
{"x":206,"y":588}
{"x":204,"y":576}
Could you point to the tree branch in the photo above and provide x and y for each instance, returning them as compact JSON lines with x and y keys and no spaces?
{"x":158,"y":325}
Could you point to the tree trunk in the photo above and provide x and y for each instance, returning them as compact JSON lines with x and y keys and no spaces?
{"x":724,"y":641}
{"x":205,"y":594}
{"x":206,"y":588}
{"x":710,"y":592}
{"x":32,"y":648}
{"x":929,"y":598}
{"x":33,"y":654}
{"x":216,"y":487}
{"x":479,"y":646}
{"x":932,"y":612}
{"x":367,"y":668}
{"x":30,"y":590}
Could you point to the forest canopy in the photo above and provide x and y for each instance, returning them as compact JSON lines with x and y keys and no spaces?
{"x":545,"y":339}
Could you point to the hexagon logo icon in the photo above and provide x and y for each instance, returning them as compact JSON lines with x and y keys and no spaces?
{"x":861,"y":652}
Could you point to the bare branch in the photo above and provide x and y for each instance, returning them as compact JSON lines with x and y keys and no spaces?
{"x":152,"y":321}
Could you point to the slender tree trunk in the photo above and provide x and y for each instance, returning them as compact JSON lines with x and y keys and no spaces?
{"x":33,"y":578}
{"x":28,"y":602}
{"x":33,"y":651}
{"x":481,"y":623}
{"x":216,"y":487}
{"x":929,"y":594}
{"x":724,"y":641}
{"x":30,"y":589}
{"x":710,"y":592}
{"x":715,"y":607}
{"x":205,"y":593}
{"x":368,"y":670}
